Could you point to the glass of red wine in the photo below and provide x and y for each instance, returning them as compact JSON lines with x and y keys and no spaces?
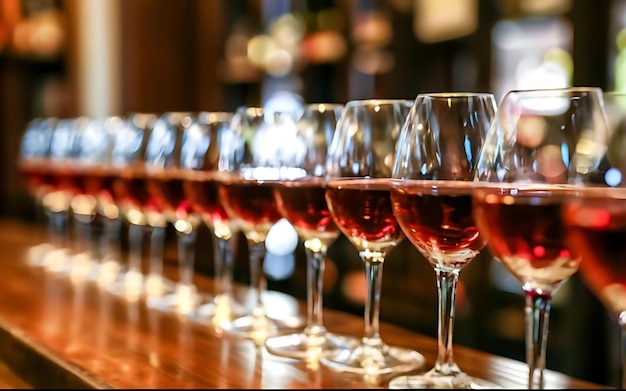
{"x":248,"y":171}
{"x":33,"y":166}
{"x":358,"y":169}
{"x":542,"y":146}
{"x":301,"y":200}
{"x":130,"y":195}
{"x":200,"y":156}
{"x":90,"y":206}
{"x":432,"y":200}
{"x":64,"y":154}
{"x":595,"y":219}
{"x":169,"y":156}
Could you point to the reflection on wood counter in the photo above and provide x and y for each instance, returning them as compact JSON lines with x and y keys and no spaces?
{"x":58,"y":334}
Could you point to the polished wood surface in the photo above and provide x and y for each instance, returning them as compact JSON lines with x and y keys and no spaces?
{"x":55,"y":333}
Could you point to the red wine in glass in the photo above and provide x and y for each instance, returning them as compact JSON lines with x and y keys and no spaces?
{"x":437,"y":219}
{"x":363,"y":212}
{"x":303,"y":203}
{"x":596,"y":228}
{"x":525,"y":230}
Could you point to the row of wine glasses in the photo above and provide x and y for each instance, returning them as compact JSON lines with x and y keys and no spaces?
{"x":531,"y":180}
{"x":127,"y":168}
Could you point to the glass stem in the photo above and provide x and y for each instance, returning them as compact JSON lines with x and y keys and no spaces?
{"x":186,"y":256}
{"x":135,"y":239}
{"x":446,"y":291}
{"x":316,"y":258}
{"x":622,"y":324}
{"x":157,"y":241}
{"x":109,"y":245}
{"x":374,"y":277}
{"x":223,"y":263}
{"x":257,"y":277}
{"x":537,"y":317}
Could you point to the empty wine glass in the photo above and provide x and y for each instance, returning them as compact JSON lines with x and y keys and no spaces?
{"x":249,"y":166}
{"x":540,"y":144}
{"x":432,"y":201}
{"x":359,"y":164}
{"x":595,"y":218}
{"x":301,"y":200}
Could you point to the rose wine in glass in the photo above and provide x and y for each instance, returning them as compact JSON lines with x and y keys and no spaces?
{"x":33,"y":166}
{"x":358,"y":166}
{"x":301,"y":200}
{"x":249,"y":167}
{"x":129,"y":192}
{"x":170,"y":153}
{"x":595,"y":220}
{"x":542,"y":145}
{"x":432,"y":201}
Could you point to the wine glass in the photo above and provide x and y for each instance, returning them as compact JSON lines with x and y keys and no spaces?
{"x":201,"y":191}
{"x":595,"y":219}
{"x":169,"y":153}
{"x":130,"y":196}
{"x":33,"y":166}
{"x":64,"y":150}
{"x":301,"y":200}
{"x":248,"y":171}
{"x":93,"y":207}
{"x":540,"y":144}
{"x":358,"y":169}
{"x":432,"y":201}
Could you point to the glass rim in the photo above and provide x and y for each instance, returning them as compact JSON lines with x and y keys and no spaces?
{"x":556,"y":90}
{"x":454,"y":94}
{"x":374,"y":101}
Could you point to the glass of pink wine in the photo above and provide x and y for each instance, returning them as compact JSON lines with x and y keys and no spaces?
{"x":248,"y":171}
{"x":543,"y":146}
{"x":596,"y":222}
{"x":301,"y":200}
{"x":358,"y":169}
{"x":432,"y":201}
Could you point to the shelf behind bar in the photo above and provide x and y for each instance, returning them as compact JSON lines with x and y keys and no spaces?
{"x":56,"y":334}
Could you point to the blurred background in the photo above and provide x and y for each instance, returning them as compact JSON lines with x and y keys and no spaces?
{"x":66,"y":58}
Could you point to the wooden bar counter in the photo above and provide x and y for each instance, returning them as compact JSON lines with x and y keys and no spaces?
{"x":59,"y":334}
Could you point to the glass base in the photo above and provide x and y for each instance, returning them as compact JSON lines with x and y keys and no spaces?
{"x":132,"y":286}
{"x":185,"y":299}
{"x":57,"y":261}
{"x":255,"y":327}
{"x":433,"y":379}
{"x":220,"y":311}
{"x":82,"y":267}
{"x":108,"y":272}
{"x":37,"y":253}
{"x":369,"y":360}
{"x":301,"y":345}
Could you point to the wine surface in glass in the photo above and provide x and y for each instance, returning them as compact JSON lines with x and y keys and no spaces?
{"x":596,"y":229}
{"x":303,"y":203}
{"x":252,"y":202}
{"x":201,"y":190}
{"x":129,"y":188}
{"x":363,"y":212}
{"x":166,"y":192}
{"x":525,"y":231}
{"x":35,"y":174}
{"x":437,"y":218}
